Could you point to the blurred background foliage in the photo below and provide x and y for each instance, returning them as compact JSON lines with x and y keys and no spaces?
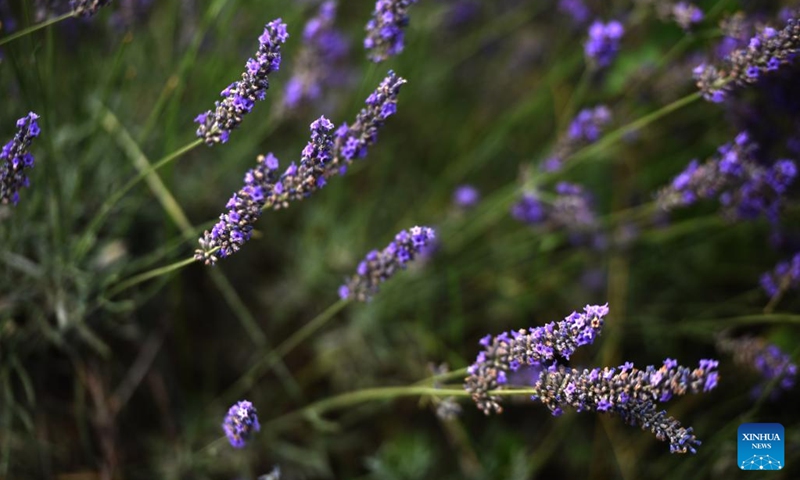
{"x":98,"y":383}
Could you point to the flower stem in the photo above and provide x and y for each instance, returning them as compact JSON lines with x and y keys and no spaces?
{"x":247,"y":380}
{"x":143,"y":277}
{"x":34,"y":28}
{"x":380,"y":393}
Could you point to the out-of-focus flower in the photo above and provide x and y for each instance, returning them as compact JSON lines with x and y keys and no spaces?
{"x":379,"y":266}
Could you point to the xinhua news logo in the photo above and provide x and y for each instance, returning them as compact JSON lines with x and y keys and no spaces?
{"x":760,"y":446}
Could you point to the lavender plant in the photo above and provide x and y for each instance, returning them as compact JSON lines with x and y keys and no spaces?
{"x":379,"y":266}
{"x":15,"y":159}
{"x":631,"y":393}
{"x":766,"y":52}
{"x":768,"y":360}
{"x":602,"y":46}
{"x":785,"y":276}
{"x":385,"y":30}
{"x":328,"y":153}
{"x":318,"y":65}
{"x":584,"y":129}
{"x":571,"y":209}
{"x":744,"y":187}
{"x":240,"y":423}
{"x":239,"y":98}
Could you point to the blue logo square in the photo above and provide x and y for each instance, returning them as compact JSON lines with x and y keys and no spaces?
{"x":760,"y":446}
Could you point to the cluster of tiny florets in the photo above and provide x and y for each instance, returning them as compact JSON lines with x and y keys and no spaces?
{"x":327,"y":154}
{"x":536,"y":346}
{"x":87,"y":8}
{"x":317,"y":64}
{"x":239,"y":98}
{"x":385,"y":30}
{"x":602,"y":45}
{"x":240,"y":423}
{"x":571,"y":209}
{"x":379,"y":266}
{"x":785,"y":276}
{"x":263,"y":189}
{"x":352,"y":141}
{"x":626,"y":391}
{"x":584,"y":129}
{"x":745,"y":188}
{"x":766,"y":52}
{"x":15,"y":159}
{"x":768,"y":360}
{"x":686,"y":14}
{"x":630,"y":393}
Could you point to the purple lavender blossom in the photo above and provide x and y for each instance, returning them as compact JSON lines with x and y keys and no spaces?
{"x":466,"y":196}
{"x":576,"y":9}
{"x":264,"y":189}
{"x":745,"y":188}
{"x":385,"y":29}
{"x":239,"y":98}
{"x":768,"y":360}
{"x":352,"y":141}
{"x":785,"y":276}
{"x":327,"y":154}
{"x":631,"y":393}
{"x":571,"y":209}
{"x":585,"y":129}
{"x":626,"y":391}
{"x":87,"y":8}
{"x":535,"y":346}
{"x":686,"y":14}
{"x":318,"y":63}
{"x":379,"y":266}
{"x":15,"y":158}
{"x":603,"y":44}
{"x":240,"y":423}
{"x":766,"y":52}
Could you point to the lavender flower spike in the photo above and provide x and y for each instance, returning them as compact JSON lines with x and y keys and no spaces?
{"x":538,"y":346}
{"x":745,"y":187}
{"x":353,"y":141}
{"x":603,"y":44}
{"x":15,"y":158}
{"x":377,"y":267}
{"x":767,"y":51}
{"x":585,"y":129}
{"x":326,"y":155}
{"x":239,"y":97}
{"x":767,"y":359}
{"x":240,"y":423}
{"x":786,"y":275}
{"x":263,"y":189}
{"x":631,"y":393}
{"x":385,"y":29}
{"x":86,"y":8}
{"x":317,"y":63}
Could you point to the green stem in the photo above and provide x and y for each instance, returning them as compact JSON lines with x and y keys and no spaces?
{"x":613,"y":137}
{"x":143,"y":277}
{"x":247,"y":380}
{"x":34,"y":28}
{"x":380,"y":393}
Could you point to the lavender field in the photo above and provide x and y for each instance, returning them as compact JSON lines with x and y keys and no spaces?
{"x":399,"y":239}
